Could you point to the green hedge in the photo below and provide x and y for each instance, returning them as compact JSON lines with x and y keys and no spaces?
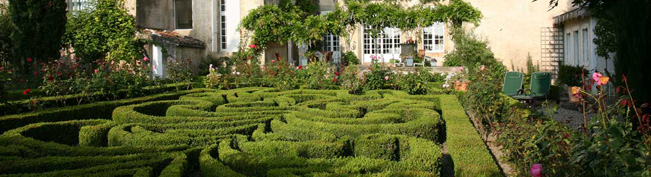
{"x":471,"y":156}
{"x":248,"y":132}
{"x":101,"y":110}
{"x":22,"y":103}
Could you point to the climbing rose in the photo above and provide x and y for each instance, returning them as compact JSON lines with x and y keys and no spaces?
{"x":386,"y":78}
{"x":335,"y":80}
{"x":253,"y":46}
{"x":536,"y":170}
{"x":26,"y":91}
{"x":29,"y":60}
{"x":146,"y":59}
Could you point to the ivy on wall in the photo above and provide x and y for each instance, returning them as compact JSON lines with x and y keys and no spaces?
{"x":271,"y":23}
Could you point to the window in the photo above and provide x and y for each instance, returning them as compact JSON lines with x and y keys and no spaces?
{"x":568,"y":36}
{"x":331,"y":42}
{"x":586,"y":52}
{"x":576,"y":48}
{"x":223,"y":23}
{"x":387,"y":42}
{"x":433,"y":38}
{"x":80,"y":5}
{"x":183,"y":12}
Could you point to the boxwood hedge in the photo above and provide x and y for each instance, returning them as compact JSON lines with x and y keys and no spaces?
{"x":245,"y":132}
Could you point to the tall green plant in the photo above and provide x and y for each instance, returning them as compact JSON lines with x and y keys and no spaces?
{"x":108,"y":33}
{"x":6,"y":43}
{"x":39,"y":26}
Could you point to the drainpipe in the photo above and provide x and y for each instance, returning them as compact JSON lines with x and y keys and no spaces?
{"x":215,"y":25}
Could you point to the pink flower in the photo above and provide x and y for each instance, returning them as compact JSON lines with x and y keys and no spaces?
{"x":460,"y":68}
{"x":386,"y":78}
{"x":536,"y":170}
{"x":273,"y":61}
{"x":253,"y":46}
{"x":597,"y":77}
{"x":146,"y":59}
{"x":29,"y":60}
{"x":95,"y":71}
{"x":373,"y":57}
{"x":26,"y":91}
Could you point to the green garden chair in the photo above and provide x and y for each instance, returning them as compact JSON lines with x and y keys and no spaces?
{"x":512,"y":83}
{"x":540,"y":85}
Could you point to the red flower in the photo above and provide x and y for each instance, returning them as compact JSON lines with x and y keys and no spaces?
{"x":625,"y":102}
{"x":26,"y":91}
{"x":50,"y":78}
{"x":335,"y":80}
{"x":0,"y":68}
{"x":35,"y":73}
{"x":300,"y":67}
{"x":337,"y":73}
{"x":253,"y":46}
{"x":58,"y":73}
{"x":21,"y":80}
{"x":566,"y":135}
{"x":70,"y":76}
{"x":29,"y":60}
{"x":617,"y":90}
{"x":95,"y":71}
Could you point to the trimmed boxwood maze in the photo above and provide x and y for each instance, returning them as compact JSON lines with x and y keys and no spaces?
{"x":248,"y":132}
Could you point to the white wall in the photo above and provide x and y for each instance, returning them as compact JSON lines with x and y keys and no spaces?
{"x":589,"y":60}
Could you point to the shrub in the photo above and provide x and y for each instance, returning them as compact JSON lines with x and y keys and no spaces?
{"x":349,"y":58}
{"x":571,"y":75}
{"x":107,"y":32}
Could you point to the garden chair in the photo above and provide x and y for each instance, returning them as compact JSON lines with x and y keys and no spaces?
{"x":540,"y":85}
{"x":512,"y":83}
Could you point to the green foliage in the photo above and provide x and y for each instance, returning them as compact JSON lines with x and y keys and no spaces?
{"x":320,"y":76}
{"x":469,"y":51}
{"x":349,"y":80}
{"x":108,"y":32}
{"x":571,"y":75}
{"x":349,"y":58}
{"x":180,"y":71}
{"x":376,"y":78}
{"x":6,"y":43}
{"x":39,"y":26}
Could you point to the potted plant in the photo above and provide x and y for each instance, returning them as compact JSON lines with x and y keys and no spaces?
{"x":572,"y":78}
{"x":459,"y":80}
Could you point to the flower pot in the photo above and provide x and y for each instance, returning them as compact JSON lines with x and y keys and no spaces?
{"x":570,"y":94}
{"x":460,"y":86}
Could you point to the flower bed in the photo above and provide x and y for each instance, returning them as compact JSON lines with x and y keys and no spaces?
{"x":247,"y":132}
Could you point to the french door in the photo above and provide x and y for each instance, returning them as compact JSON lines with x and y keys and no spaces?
{"x":383,"y":48}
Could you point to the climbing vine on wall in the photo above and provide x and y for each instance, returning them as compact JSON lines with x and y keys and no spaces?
{"x":271,"y":23}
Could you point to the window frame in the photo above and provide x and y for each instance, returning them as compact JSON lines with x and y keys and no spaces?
{"x":436,"y":33}
{"x":176,"y":16}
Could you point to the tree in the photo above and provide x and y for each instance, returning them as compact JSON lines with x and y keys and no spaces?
{"x":6,"y":43}
{"x":108,"y":32}
{"x":39,"y":26}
